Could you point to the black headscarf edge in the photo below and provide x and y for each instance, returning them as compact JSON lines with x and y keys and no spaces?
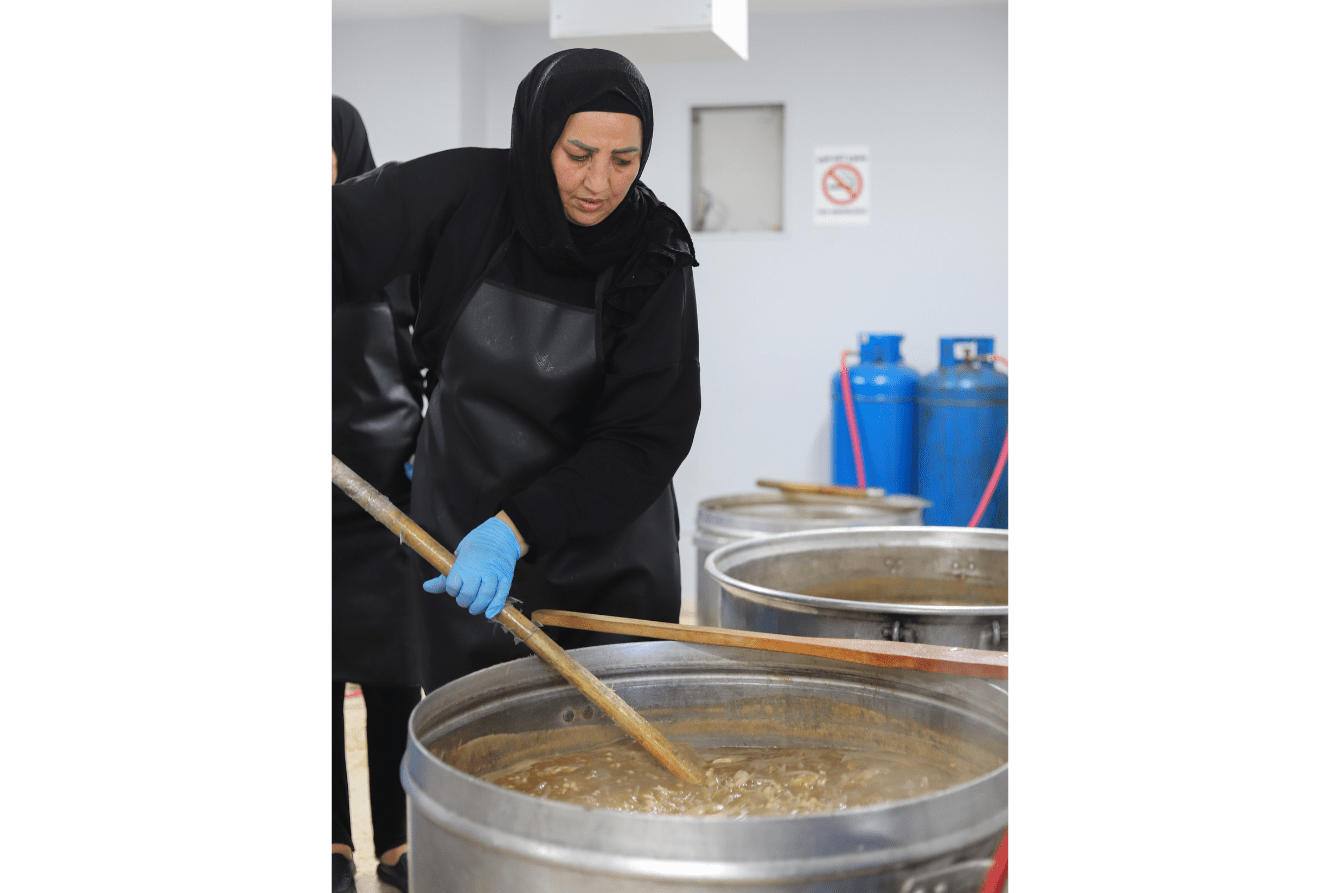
{"x":349,"y":139}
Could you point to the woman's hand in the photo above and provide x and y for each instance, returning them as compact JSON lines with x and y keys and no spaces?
{"x":334,"y":167}
{"x":485,"y":561}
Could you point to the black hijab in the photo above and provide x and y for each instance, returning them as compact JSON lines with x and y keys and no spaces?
{"x":567,"y":82}
{"x":349,"y":139}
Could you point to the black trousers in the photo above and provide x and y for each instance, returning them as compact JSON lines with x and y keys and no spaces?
{"x":388,"y":709}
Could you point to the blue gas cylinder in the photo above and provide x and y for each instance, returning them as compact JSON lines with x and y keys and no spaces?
{"x":962,"y":416}
{"x":883,"y":390}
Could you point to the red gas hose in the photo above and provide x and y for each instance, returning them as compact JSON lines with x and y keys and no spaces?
{"x":1000,"y":462}
{"x":851,"y":419}
{"x":995,"y":875}
{"x":991,"y":484}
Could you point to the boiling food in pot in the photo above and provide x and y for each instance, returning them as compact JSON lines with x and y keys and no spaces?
{"x":765,"y":756}
{"x":741,"y":781}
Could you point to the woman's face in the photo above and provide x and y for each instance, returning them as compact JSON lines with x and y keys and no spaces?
{"x":596,"y":160}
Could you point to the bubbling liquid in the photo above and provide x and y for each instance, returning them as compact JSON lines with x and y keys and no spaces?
{"x":741,"y":781}
{"x":794,"y":754}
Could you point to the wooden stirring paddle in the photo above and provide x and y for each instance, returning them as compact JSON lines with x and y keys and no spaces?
{"x":930,"y":658}
{"x":825,"y":489}
{"x":599,"y":693}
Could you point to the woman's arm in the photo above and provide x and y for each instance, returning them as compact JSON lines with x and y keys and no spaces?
{"x":640,"y":431}
{"x":387,"y":222}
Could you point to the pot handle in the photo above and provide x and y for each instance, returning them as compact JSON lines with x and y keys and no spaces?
{"x":961,"y":877}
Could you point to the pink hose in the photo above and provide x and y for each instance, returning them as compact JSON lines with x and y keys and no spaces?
{"x":1000,"y":463}
{"x":851,"y":420}
{"x":991,"y":484}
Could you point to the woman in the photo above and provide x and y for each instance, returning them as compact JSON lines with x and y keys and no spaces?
{"x":556,"y":304}
{"x":377,"y":397}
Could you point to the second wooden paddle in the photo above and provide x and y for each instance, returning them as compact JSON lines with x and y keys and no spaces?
{"x":518,"y":625}
{"x":930,"y":658}
{"x":824,"y":489}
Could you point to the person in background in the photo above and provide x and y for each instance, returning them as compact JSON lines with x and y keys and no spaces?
{"x":377,"y":400}
{"x":556,"y":305}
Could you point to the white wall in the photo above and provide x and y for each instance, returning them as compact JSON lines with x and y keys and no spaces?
{"x":924,"y":88}
{"x":419,"y":83}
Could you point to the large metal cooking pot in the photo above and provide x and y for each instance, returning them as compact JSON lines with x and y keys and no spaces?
{"x":468,"y":835}
{"x":933,"y":585}
{"x":730,"y":519}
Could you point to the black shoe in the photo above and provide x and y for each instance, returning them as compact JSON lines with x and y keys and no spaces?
{"x":343,"y":873}
{"x":396,"y":875}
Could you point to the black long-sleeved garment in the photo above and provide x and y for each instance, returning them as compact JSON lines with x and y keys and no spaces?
{"x":441,"y":218}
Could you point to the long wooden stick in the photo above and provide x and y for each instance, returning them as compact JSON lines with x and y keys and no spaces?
{"x":599,"y":693}
{"x":825,"y":489}
{"x":931,"y":658}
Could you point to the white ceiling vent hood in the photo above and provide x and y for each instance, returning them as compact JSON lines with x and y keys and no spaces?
{"x":648,"y":31}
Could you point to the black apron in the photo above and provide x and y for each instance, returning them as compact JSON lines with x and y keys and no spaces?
{"x":376,"y":406}
{"x":519,"y":377}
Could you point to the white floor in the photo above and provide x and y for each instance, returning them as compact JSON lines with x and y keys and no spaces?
{"x":360,"y":814}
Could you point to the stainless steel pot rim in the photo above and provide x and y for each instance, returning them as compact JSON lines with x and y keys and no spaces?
{"x":748,"y":514}
{"x":714,"y":539}
{"x":719,"y":561}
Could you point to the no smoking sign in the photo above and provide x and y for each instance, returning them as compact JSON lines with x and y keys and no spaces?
{"x":842,"y":184}
{"x":842,"y":178}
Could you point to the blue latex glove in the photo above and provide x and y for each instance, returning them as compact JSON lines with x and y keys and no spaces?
{"x":482,"y":574}
{"x":409,"y":470}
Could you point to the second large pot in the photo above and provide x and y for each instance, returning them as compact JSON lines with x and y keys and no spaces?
{"x":723,"y":520}
{"x":933,"y":585}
